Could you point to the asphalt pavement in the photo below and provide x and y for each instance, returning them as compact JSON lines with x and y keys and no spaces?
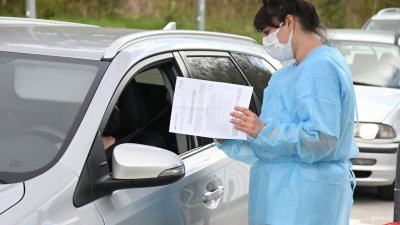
{"x":368,"y":209}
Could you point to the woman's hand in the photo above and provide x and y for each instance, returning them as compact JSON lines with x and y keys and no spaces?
{"x":108,"y":141}
{"x":246,"y":121}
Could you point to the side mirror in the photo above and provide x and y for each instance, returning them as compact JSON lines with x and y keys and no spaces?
{"x":136,"y":166}
{"x":146,"y":165}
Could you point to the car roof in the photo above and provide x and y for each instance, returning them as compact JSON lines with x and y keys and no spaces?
{"x":17,"y":21}
{"x":96,"y":43}
{"x":387,"y":14}
{"x":391,"y":16}
{"x":70,"y":41}
{"x":374,"y":36}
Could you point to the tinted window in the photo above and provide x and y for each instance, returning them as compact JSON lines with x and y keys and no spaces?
{"x":257,"y":70}
{"x":39,"y":101}
{"x":216,"y":68}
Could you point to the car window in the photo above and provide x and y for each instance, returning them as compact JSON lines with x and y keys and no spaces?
{"x":393,"y":25}
{"x":143,"y":112}
{"x":372,"y":63}
{"x":216,"y":68}
{"x":40,"y":98}
{"x":257,"y":70}
{"x":150,"y":77}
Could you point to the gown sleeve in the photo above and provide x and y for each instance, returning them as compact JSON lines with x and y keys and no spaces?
{"x":314,"y":127}
{"x":239,"y":150}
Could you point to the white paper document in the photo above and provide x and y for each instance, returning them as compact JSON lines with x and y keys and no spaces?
{"x":202,"y":108}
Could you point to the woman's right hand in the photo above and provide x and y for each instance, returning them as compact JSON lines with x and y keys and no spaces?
{"x":247,"y":121}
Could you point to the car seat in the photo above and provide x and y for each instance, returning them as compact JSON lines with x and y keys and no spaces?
{"x":134,"y":121}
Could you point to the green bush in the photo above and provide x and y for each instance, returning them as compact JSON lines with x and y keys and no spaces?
{"x":230,"y":16}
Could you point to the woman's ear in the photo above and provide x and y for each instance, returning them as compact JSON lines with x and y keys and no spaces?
{"x":289,"y":21}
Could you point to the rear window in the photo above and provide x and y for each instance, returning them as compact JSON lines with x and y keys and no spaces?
{"x":257,"y":70}
{"x":372,"y":64}
{"x":40,"y":100}
{"x":393,"y":25}
{"x":214,"y":68}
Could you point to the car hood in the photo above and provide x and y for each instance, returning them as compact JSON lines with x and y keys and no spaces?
{"x":375,"y":103}
{"x":10,"y":194}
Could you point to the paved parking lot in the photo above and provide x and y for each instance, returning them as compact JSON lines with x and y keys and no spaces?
{"x":368,"y":209}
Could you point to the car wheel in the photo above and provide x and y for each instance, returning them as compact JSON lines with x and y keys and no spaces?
{"x":386,"y":192}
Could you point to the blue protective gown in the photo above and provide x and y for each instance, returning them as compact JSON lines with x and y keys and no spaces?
{"x":300,"y":170}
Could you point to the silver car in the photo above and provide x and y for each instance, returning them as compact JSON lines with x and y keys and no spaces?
{"x":66,"y":90}
{"x":374,"y":59}
{"x":385,"y":19}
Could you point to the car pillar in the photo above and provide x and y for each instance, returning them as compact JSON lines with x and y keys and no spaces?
{"x":396,"y":215}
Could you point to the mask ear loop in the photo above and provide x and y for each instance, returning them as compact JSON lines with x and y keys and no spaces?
{"x":279,"y":27}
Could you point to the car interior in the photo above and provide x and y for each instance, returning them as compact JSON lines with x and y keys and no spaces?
{"x":144,"y":111}
{"x":368,"y":62}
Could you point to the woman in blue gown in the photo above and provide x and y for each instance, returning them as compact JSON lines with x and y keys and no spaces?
{"x":301,"y":144}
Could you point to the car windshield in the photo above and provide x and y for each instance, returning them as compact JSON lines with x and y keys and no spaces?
{"x":372,"y":63}
{"x":393,"y":25}
{"x":40,"y":99}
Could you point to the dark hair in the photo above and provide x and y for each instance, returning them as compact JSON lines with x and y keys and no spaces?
{"x":274,"y":12}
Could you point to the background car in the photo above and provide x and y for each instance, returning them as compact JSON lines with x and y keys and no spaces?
{"x":374,"y":59}
{"x":59,"y":87}
{"x":385,"y":19}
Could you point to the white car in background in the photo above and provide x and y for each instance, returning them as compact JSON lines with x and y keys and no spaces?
{"x":385,"y":19}
{"x":374,"y":59}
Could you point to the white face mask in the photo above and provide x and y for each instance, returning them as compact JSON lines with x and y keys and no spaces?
{"x":277,"y":50}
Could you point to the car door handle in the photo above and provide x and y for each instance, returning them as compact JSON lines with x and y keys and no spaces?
{"x":211,"y":195}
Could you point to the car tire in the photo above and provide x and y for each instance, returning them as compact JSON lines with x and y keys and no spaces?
{"x":386,"y":192}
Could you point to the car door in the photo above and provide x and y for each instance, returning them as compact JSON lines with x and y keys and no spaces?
{"x":197,"y":198}
{"x":220,"y":66}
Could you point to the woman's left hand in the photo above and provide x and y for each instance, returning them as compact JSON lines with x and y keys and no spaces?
{"x":246,"y":121}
